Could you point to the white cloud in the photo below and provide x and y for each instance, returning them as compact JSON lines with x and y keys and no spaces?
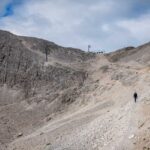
{"x":105,"y":24}
{"x":138,"y":28}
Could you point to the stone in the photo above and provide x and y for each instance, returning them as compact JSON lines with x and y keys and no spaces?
{"x":131,"y":136}
{"x":20,"y":134}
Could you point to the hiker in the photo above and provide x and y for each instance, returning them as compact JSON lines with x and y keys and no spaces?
{"x":135,"y":96}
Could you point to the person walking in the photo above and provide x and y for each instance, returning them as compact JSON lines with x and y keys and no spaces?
{"x":135,"y":95}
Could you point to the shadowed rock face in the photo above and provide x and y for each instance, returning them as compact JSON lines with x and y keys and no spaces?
{"x":22,"y":62}
{"x":30,"y":80}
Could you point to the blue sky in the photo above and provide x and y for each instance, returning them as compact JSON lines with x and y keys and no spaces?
{"x":104,"y":24}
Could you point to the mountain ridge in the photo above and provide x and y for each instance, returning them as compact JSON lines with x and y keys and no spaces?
{"x":52,"y":97}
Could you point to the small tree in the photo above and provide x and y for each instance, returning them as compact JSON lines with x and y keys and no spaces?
{"x":46,"y":53}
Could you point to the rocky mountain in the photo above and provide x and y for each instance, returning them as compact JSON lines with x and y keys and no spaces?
{"x":56,"y":98}
{"x":140,"y":54}
{"x":26,"y":75}
{"x":26,"y":60}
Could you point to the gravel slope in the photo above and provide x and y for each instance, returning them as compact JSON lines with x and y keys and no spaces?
{"x":110,"y":119}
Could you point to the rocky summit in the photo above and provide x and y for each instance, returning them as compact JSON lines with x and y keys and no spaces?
{"x":58,"y":98}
